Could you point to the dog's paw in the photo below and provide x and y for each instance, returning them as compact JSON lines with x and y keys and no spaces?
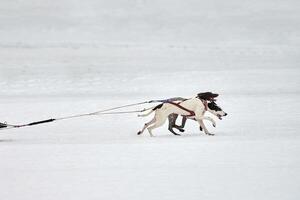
{"x":139,"y":133}
{"x":210,"y":134}
{"x":181,"y":130}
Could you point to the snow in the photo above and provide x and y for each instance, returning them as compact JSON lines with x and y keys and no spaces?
{"x":176,"y":168}
{"x":60,"y":58}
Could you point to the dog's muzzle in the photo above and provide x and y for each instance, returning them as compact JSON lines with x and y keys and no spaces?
{"x":220,"y":116}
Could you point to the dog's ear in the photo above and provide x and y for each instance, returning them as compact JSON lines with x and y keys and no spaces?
{"x":214,"y":95}
{"x":208,"y":96}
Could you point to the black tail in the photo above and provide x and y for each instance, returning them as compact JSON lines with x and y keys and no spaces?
{"x":158,"y":106}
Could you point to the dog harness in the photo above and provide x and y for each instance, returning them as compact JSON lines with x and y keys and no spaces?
{"x":192,"y":113}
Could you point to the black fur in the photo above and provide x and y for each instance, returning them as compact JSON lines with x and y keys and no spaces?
{"x":207,"y":96}
{"x":172,"y":123}
{"x":213,"y":106}
{"x":158,"y":106}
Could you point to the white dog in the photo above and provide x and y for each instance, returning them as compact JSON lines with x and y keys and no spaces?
{"x":192,"y":108}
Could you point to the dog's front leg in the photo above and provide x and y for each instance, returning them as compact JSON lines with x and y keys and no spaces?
{"x":200,"y":121}
{"x":199,"y":116}
{"x":211,"y":120}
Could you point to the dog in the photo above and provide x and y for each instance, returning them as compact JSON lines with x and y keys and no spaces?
{"x":193,"y":108}
{"x":206,"y":96}
{"x":173,"y":117}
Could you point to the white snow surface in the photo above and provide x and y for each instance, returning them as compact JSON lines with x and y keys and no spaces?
{"x":59,"y":58}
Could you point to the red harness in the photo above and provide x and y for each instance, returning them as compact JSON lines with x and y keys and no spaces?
{"x":205,"y":105}
{"x":192,"y":113}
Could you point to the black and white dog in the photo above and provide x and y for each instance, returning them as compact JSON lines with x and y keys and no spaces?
{"x":206,"y":96}
{"x":193,"y":108}
{"x":173,"y":117}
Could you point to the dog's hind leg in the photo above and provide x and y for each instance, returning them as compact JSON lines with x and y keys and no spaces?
{"x":183,"y":122}
{"x":160,"y":120}
{"x":146,"y":125}
{"x":172,"y":119}
{"x":181,"y":127}
{"x":172,"y":123}
{"x":172,"y":131}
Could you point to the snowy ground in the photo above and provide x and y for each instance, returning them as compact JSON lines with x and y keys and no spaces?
{"x":254,"y":155}
{"x":69,"y":57}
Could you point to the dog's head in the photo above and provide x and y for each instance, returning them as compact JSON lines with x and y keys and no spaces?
{"x":207,"y":96}
{"x":216,"y":110}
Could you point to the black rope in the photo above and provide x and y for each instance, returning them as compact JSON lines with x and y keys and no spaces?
{"x":41,"y":122}
{"x":100,"y":112}
{"x":10,"y":126}
{"x":3,"y":125}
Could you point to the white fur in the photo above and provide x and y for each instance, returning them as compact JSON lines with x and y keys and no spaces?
{"x":194,"y":104}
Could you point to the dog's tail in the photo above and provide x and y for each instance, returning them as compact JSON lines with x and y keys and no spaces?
{"x":151,"y":110}
{"x":146,"y":114}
